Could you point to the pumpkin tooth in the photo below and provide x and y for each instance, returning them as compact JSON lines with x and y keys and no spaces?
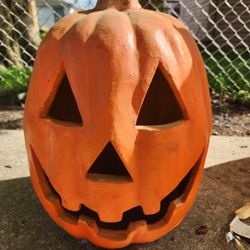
{"x":151,"y":208}
{"x":179,"y":201}
{"x":110,"y":217}
{"x":137,"y":224}
{"x":86,"y":220}
{"x":72,"y":206}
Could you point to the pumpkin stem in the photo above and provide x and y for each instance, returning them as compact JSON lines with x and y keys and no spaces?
{"x":118,"y":4}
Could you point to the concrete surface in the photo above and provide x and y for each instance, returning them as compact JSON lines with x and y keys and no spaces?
{"x":13,"y":161}
{"x":225,"y":188}
{"x":227,"y":148}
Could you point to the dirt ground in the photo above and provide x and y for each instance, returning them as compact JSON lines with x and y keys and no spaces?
{"x":11,"y":117}
{"x":225,"y":188}
{"x":228,"y":119}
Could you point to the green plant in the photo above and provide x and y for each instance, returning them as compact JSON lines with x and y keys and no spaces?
{"x":14,"y":81}
{"x":229,"y":75}
{"x":42,"y":34}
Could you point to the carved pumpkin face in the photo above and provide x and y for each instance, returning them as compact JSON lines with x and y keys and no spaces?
{"x":117,"y":124}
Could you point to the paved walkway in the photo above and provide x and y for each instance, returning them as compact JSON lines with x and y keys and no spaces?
{"x":13,"y":162}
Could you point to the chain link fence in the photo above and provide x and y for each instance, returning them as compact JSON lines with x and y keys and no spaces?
{"x":221,"y":29}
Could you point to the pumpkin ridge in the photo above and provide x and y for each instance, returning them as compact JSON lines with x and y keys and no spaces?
{"x":63,"y":26}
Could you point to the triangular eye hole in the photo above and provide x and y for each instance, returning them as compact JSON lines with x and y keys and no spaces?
{"x":64,"y":106}
{"x":160,"y":106}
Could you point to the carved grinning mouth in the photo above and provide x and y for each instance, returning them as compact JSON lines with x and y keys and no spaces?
{"x":136,"y":213}
{"x":132,"y":215}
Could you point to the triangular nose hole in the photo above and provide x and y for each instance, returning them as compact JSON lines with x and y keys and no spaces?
{"x":109,"y":167}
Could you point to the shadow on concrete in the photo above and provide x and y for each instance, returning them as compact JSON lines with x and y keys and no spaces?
{"x":226,"y":187}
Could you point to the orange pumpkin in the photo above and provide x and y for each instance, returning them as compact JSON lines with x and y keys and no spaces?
{"x":117,"y":123}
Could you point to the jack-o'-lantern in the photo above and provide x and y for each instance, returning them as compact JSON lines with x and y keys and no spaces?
{"x":117,"y":123}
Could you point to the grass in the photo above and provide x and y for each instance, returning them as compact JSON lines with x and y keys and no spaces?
{"x":225,"y":75}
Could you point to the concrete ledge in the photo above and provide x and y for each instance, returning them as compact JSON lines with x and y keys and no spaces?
{"x":227,"y":148}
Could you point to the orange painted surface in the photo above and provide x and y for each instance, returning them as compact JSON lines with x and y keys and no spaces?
{"x":109,"y":59}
